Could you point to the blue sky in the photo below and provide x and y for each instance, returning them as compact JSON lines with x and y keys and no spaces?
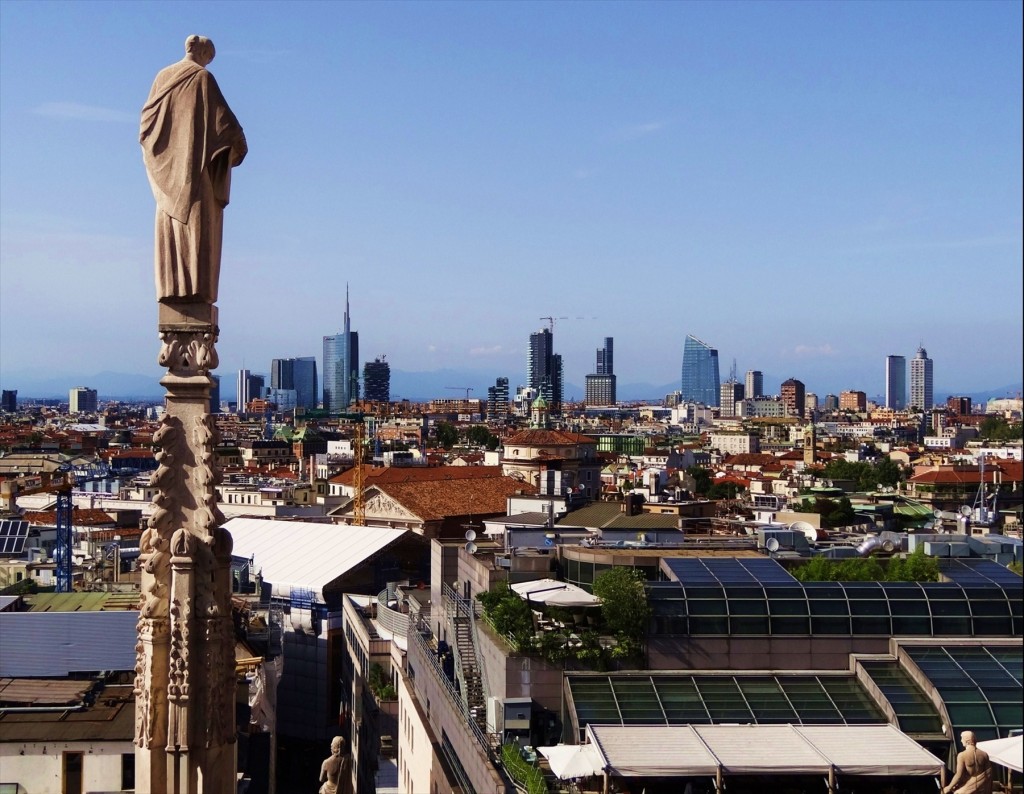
{"x":806,"y":186}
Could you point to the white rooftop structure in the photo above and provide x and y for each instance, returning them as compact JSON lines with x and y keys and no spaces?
{"x":708,"y":750}
{"x":305,"y":554}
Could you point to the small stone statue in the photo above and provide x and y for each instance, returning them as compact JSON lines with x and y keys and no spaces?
{"x":190,"y":142}
{"x":973,"y":769}
{"x":333,"y":768}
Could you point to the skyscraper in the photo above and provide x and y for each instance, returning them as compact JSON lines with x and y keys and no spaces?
{"x":895,"y":382}
{"x":248,"y":387}
{"x":700,"y":379}
{"x":754,"y":386}
{"x":215,"y":394}
{"x":601,"y":384}
{"x":9,"y":400}
{"x":377,"y":380}
{"x":544,"y":369}
{"x":731,"y":397}
{"x":82,"y":400}
{"x":794,"y":397}
{"x":921,"y":394}
{"x":341,"y":367}
{"x":298,"y":374}
{"x":497,"y":401}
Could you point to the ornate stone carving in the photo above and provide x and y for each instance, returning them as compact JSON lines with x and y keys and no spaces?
{"x":188,"y":352}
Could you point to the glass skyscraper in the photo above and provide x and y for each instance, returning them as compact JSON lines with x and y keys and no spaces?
{"x":544,"y":369}
{"x":600,"y":389}
{"x":341,"y":367}
{"x":895,"y":382}
{"x":298,"y":374}
{"x":700,"y":382}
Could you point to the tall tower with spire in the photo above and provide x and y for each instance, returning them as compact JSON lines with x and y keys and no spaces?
{"x":341,"y":366}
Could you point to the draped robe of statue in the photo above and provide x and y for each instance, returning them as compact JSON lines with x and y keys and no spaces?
{"x":190,"y":142}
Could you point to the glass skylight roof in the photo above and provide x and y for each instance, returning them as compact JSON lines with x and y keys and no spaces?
{"x":915,"y":713}
{"x":969,"y":570}
{"x":981,"y":687}
{"x":727,"y":570}
{"x":710,"y":699}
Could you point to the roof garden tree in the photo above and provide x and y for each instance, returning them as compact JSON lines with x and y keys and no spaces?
{"x":624,"y":606}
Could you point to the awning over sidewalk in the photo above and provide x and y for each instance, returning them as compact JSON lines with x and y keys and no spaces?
{"x":704,"y":750}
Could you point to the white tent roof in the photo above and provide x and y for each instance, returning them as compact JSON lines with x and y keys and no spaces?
{"x":669,"y":751}
{"x":555,"y":593}
{"x":304,"y":554}
{"x":1007,"y":752}
{"x":573,"y":760}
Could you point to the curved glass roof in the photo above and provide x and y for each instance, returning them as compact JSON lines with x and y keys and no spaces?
{"x":915,"y":713}
{"x":981,"y":687}
{"x":760,"y":699}
{"x":885,"y":609}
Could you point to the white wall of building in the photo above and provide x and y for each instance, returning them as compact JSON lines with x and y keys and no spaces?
{"x":415,"y":755}
{"x":37,"y":766}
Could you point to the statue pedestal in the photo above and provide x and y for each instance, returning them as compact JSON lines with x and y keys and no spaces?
{"x":185,"y":662}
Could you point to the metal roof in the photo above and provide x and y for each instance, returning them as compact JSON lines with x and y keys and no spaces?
{"x":304,"y":554}
{"x":52,"y":644}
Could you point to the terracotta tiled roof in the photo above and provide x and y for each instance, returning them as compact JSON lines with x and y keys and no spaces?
{"x":375,"y":475}
{"x":80,"y":518}
{"x":1006,"y":470}
{"x":434,"y":500}
{"x":749,"y":459}
{"x":537,"y":437}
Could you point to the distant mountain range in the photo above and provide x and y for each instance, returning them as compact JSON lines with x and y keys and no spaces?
{"x":414,"y":386}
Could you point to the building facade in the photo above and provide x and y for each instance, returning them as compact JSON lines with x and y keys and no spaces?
{"x":921,"y":393}
{"x":82,"y":400}
{"x":700,"y":380}
{"x":601,"y":383}
{"x":9,"y":401}
{"x":856,"y":401}
{"x":793,"y":397}
{"x":544,"y":369}
{"x":248,"y":387}
{"x":299,"y":374}
{"x":377,"y":380}
{"x":895,"y":382}
{"x":497,"y":401}
{"x":731,"y":398}
{"x":754,"y":384}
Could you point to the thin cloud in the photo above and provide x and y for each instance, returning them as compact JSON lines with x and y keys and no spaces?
{"x":75,"y":111}
{"x":636,"y":131}
{"x":814,"y":351}
{"x":486,"y":351}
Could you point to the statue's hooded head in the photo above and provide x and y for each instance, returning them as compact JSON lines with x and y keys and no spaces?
{"x":199,"y":49}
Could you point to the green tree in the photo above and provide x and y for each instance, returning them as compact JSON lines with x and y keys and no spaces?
{"x":624,"y":605}
{"x":447,"y":434}
{"x":479,"y":435}
{"x":722,"y":490}
{"x":996,"y":428}
{"x":702,"y":478}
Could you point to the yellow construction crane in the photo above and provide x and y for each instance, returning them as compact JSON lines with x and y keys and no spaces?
{"x":359,"y":501}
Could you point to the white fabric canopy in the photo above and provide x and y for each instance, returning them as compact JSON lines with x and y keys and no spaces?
{"x":699,"y":750}
{"x":572,"y":760}
{"x":1007,"y":752}
{"x":556,"y":594}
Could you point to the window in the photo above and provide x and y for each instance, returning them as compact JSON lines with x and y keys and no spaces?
{"x":71,"y":773}
{"x":128,"y":771}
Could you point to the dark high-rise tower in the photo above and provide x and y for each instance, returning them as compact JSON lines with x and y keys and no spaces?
{"x":298,"y":374}
{"x":700,"y":380}
{"x":544,"y":369}
{"x":601,"y":384}
{"x":377,"y":380}
{"x":895,"y":382}
{"x":341,"y":367}
{"x":497,"y":401}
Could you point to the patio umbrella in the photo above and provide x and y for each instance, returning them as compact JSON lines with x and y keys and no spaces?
{"x":572,"y":760}
{"x":556,"y":594}
{"x":1007,"y":752}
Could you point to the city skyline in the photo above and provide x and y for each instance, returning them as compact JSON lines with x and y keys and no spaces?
{"x":423,"y":152}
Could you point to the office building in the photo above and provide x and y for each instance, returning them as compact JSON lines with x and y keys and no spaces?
{"x":377,"y":380}
{"x":754,"y":385}
{"x":731,"y":398}
{"x":810,"y":403}
{"x":831,"y":403}
{"x":282,"y":399}
{"x":215,"y":394}
{"x":921,"y":394}
{"x":9,"y":400}
{"x":544,"y":369}
{"x":298,"y":374}
{"x":341,"y":367}
{"x":248,"y":387}
{"x":601,"y":383}
{"x":497,"y":401}
{"x":82,"y":400}
{"x":700,"y":381}
{"x":959,"y":406}
{"x":856,"y":401}
{"x":793,"y":397}
{"x":895,"y":382}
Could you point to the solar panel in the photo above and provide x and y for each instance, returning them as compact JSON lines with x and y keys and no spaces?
{"x":13,"y":534}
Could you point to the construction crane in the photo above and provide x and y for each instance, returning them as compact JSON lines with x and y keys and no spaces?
{"x":466,"y":389}
{"x":60,"y":483}
{"x":551,"y":321}
{"x":359,"y":500}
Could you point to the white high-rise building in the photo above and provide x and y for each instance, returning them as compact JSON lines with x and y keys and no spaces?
{"x":921,"y":392}
{"x":754,"y":386}
{"x":82,"y":400}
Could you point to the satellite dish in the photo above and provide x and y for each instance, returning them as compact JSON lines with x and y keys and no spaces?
{"x":965,"y":510}
{"x":471,"y":547}
{"x":470,"y":535}
{"x":809,"y":532}
{"x":772,"y":544}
